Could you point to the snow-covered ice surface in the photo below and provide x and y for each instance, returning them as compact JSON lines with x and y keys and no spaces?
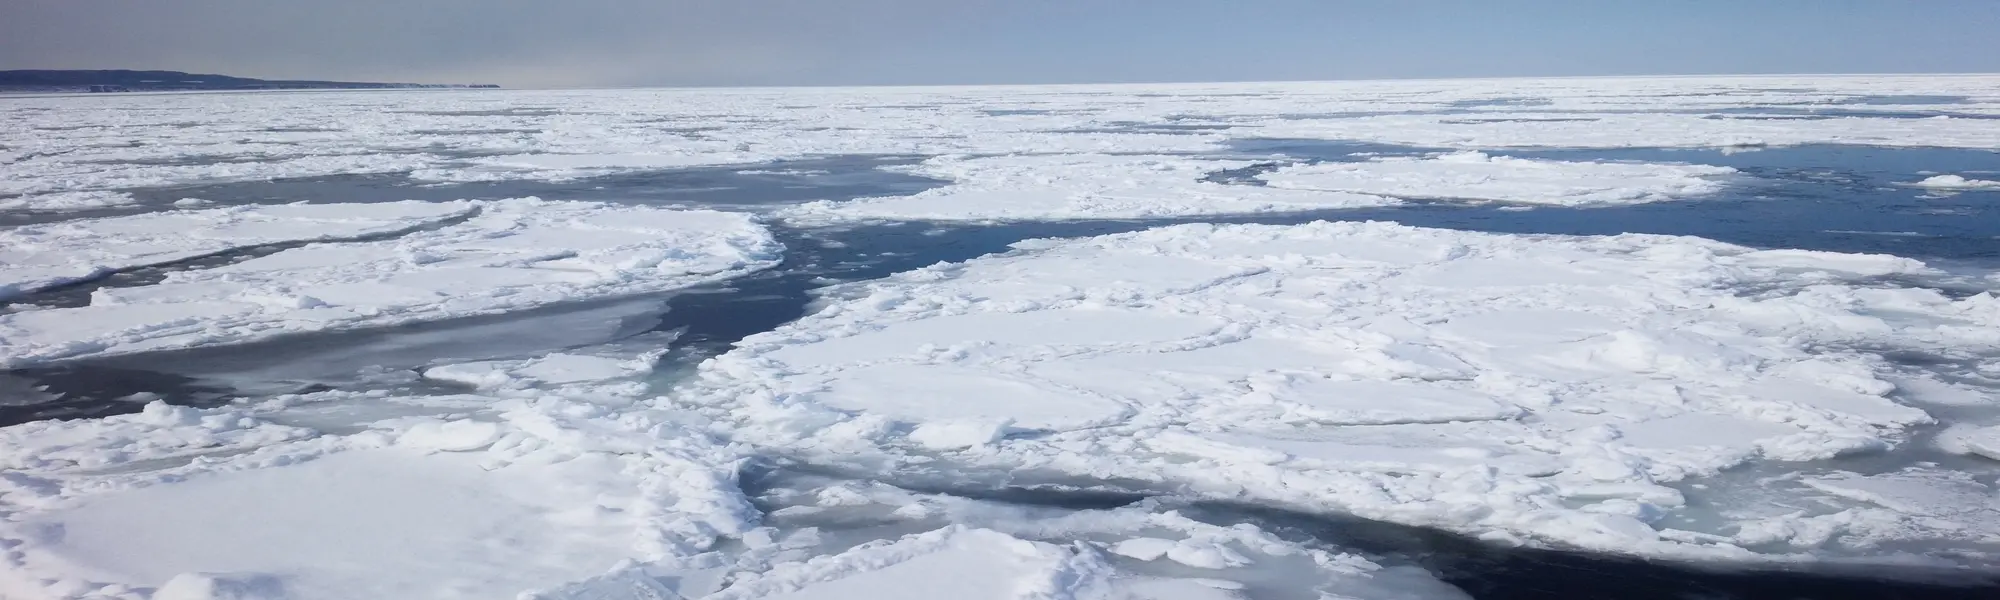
{"x":1553,"y":389}
{"x":34,"y":257}
{"x":1005,"y":342}
{"x":1077,"y":186}
{"x":84,"y":144}
{"x":514,"y":254}
{"x":1476,"y":175}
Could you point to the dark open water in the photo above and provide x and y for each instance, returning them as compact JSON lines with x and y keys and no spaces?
{"x":1845,"y":199}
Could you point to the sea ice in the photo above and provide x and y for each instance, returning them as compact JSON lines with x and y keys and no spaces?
{"x":65,"y":201}
{"x":514,"y":254}
{"x":1077,"y":186}
{"x":1475,"y":175}
{"x":1538,"y":387}
{"x":62,"y":145}
{"x":1957,"y":182}
{"x":528,"y":495}
{"x":33,"y":257}
{"x":1535,"y":389}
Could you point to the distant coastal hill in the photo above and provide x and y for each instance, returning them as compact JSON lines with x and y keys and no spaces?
{"x":152,"y":81}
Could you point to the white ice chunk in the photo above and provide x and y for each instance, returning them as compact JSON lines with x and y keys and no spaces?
{"x":158,"y":431}
{"x":66,"y":201}
{"x":1957,"y":182}
{"x":1977,"y":441}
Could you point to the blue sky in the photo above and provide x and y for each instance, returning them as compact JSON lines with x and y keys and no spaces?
{"x":808,"y":42}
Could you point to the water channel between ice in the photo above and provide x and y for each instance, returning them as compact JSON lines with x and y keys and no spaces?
{"x":1839,"y":199}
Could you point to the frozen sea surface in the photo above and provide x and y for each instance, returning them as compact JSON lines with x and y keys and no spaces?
{"x":1061,"y":342}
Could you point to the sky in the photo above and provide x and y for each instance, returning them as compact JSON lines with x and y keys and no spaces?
{"x":619,"y":43}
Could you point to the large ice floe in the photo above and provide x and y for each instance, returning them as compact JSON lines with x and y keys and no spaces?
{"x":1538,"y":389}
{"x":35,"y":257}
{"x":511,"y":255}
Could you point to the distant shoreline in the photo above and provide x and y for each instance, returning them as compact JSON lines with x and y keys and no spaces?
{"x":115,"y":81}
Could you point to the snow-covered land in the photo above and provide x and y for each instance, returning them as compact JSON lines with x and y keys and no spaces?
{"x":597,"y":394}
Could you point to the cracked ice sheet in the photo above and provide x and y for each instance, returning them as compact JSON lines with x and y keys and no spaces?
{"x":478,"y":496}
{"x":1077,"y":186}
{"x":34,"y":257}
{"x":838,"y":538}
{"x":1478,"y":176}
{"x":984,"y":564}
{"x":1518,"y":387}
{"x":515,"y":254}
